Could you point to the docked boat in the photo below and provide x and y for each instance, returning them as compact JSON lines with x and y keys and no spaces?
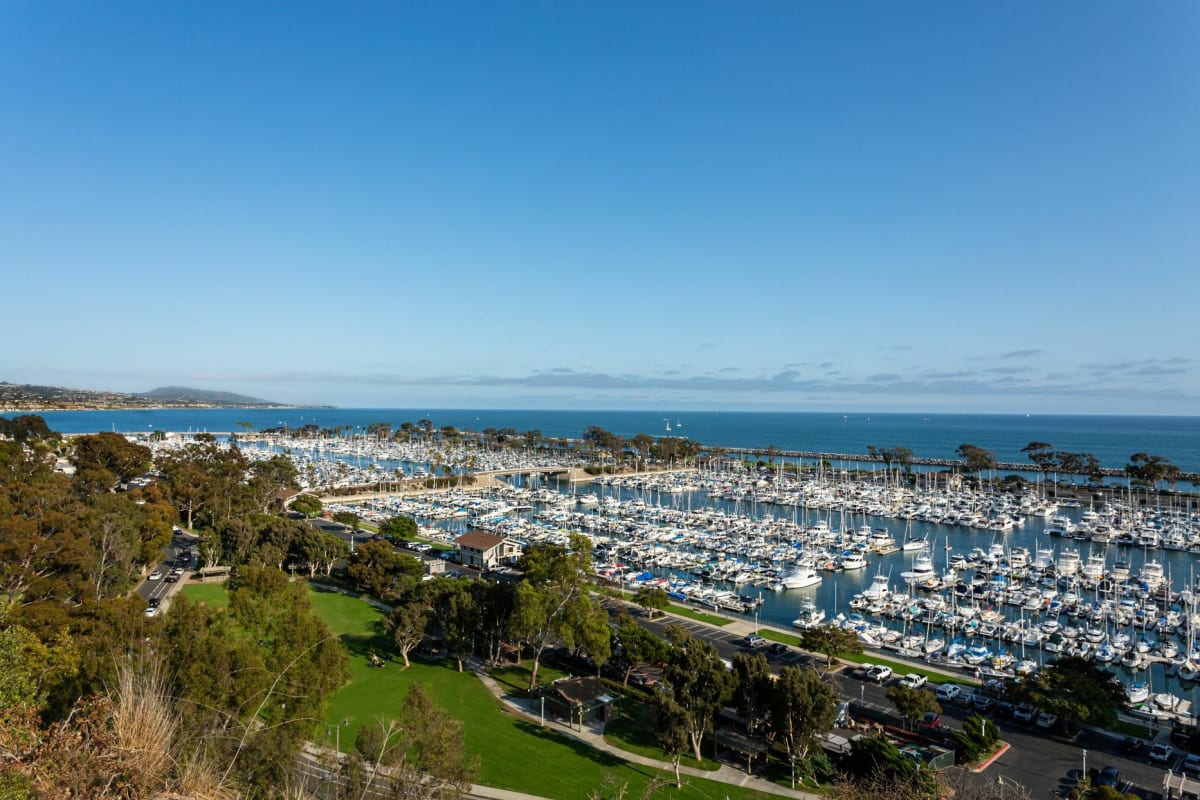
{"x":800,"y":578}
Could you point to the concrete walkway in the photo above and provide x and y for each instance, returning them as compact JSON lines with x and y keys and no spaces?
{"x":592,"y":734}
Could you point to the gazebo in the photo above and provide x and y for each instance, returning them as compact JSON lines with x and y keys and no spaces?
{"x":579,"y":699}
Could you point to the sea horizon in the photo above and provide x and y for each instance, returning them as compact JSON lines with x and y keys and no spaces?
{"x":1111,"y":438}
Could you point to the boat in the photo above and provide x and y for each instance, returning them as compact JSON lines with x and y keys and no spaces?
{"x":800,"y":578}
{"x":810,"y":616}
{"x":852,"y":559}
{"x":1138,"y":692}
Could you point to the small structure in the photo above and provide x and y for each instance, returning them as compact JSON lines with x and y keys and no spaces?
{"x":485,"y":551}
{"x":578,"y":700}
{"x":744,"y":746}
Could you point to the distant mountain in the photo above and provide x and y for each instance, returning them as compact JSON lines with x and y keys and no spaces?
{"x":26,"y":397}
{"x":183,"y":394}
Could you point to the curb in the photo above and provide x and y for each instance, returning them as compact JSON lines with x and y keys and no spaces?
{"x":1004,"y":748}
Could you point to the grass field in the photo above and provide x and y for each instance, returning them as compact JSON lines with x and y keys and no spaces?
{"x":213,"y":594}
{"x":515,"y":753}
{"x":699,"y":616}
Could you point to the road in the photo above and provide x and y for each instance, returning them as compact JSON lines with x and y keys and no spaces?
{"x":161,"y":589}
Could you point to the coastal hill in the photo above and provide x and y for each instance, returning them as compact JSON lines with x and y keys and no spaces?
{"x":26,"y":397}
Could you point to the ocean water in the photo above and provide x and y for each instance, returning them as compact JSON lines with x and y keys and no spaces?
{"x":1112,"y":439}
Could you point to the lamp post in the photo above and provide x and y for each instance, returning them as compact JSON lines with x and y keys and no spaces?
{"x":543,"y":711}
{"x":1084,"y":778}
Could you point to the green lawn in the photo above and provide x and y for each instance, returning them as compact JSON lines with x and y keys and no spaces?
{"x":213,"y":594}
{"x":699,"y":616}
{"x":515,"y":753}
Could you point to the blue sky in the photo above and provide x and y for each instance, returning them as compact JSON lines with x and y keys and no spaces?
{"x":809,"y":206}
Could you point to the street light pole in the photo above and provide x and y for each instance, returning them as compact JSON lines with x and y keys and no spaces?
{"x":543,"y":711}
{"x":1084,"y":765}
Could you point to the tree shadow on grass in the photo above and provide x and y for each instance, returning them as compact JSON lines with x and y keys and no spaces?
{"x":583,"y":749}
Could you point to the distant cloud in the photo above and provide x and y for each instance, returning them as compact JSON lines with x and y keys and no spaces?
{"x":945,"y":375}
{"x":1158,"y":369}
{"x":1022,"y":353}
{"x":1177,"y":360}
{"x":895,"y":348}
{"x":1125,"y":388}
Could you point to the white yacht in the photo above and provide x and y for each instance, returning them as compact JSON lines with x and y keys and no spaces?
{"x":800,"y":578}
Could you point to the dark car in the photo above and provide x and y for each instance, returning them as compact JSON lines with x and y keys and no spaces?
{"x":1131,"y":745}
{"x":1004,"y":708}
{"x":1109,"y":776}
{"x":777,"y":648}
{"x":983,"y":703}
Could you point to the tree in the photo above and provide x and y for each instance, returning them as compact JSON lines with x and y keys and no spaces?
{"x":1042,"y":454}
{"x":347,"y":518}
{"x":877,"y":759}
{"x":269,"y":478}
{"x":307,"y":504}
{"x":423,"y":751}
{"x":830,"y":641}
{"x":753,"y":688}
{"x":1075,"y":689}
{"x":317,"y":550}
{"x":375,"y":566}
{"x":912,"y":704}
{"x":801,"y":707}
{"x":639,"y":646}
{"x":406,"y":623}
{"x":454,"y":615}
{"x":700,"y":684}
{"x":976,"y":739}
{"x":205,"y":481}
{"x":977,"y":459}
{"x":108,"y":458}
{"x":552,"y":601}
{"x":651,"y":599}
{"x":672,"y":730}
{"x":399,"y":528}
{"x":1149,"y":471}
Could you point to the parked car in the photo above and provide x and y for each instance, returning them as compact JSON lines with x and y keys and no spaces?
{"x":1004,"y":709}
{"x":1109,"y":776}
{"x":1161,"y":752}
{"x":777,"y":648}
{"x":1046,"y":720}
{"x":1024,"y":713}
{"x":930,"y":722}
{"x":913,"y":681}
{"x":983,"y":703}
{"x":879,"y":673}
{"x":1132,"y":745}
{"x":754,"y":641}
{"x":1191,"y":763}
{"x":947,"y":692}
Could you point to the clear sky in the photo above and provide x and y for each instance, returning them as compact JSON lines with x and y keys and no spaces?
{"x":794,"y":205}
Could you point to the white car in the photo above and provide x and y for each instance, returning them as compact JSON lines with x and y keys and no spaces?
{"x":879,"y":673}
{"x":151,"y":611}
{"x":948,"y":691}
{"x":913,"y":681}
{"x":156,"y":575}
